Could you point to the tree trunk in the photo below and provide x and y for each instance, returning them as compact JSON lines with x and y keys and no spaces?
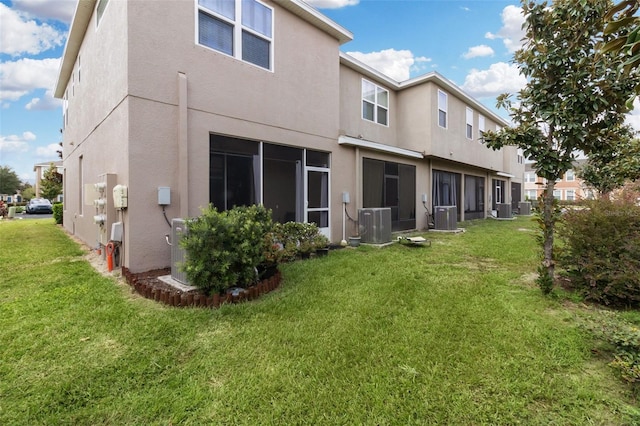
{"x":547,"y":269}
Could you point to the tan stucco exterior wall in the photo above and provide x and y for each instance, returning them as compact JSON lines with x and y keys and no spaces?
{"x":149,"y":98}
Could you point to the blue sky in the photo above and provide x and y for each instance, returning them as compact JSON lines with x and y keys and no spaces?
{"x":470,"y":42}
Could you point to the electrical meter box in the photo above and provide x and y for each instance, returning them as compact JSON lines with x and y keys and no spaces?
{"x":120,"y":197}
{"x":164,"y":195}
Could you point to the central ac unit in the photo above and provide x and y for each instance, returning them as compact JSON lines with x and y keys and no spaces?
{"x":504,"y":210}
{"x":178,"y":228}
{"x":446,"y":218}
{"x":524,"y":208}
{"x":375,"y":225}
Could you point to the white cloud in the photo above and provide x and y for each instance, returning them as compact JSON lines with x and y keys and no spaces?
{"x":22,"y":35}
{"x":48,"y":102}
{"x":15,"y":143}
{"x":478,"y":51}
{"x":499,"y":78}
{"x":20,"y":77}
{"x":47,"y":152}
{"x":633,"y":118}
{"x":511,"y":32}
{"x":332,"y":4}
{"x":397,"y":64}
{"x":60,"y":10}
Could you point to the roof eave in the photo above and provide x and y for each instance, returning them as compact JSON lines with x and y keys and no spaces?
{"x":77,"y":30}
{"x":317,"y":19}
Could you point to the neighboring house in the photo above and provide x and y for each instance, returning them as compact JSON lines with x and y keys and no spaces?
{"x":253,"y":102}
{"x":16,"y":198}
{"x":40,"y":168}
{"x":569,"y":188}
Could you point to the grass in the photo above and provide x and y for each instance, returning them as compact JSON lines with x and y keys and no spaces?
{"x":456,"y":333}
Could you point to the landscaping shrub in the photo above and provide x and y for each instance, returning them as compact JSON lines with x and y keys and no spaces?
{"x":600,"y":251}
{"x":58,"y":208}
{"x":298,"y":239}
{"x":624,"y":339}
{"x":224,"y":249}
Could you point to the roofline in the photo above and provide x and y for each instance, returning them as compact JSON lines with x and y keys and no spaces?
{"x":77,"y":29}
{"x":434,"y":77}
{"x":84,"y":11}
{"x":317,"y":19}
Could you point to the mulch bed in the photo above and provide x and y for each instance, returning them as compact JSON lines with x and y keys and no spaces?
{"x":149,"y":286}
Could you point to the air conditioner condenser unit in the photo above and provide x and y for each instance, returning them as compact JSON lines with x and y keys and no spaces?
{"x":446,"y":218}
{"x":375,"y":225}
{"x":504,"y":210}
{"x":178,"y":254}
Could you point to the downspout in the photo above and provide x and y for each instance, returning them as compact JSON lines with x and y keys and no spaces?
{"x":183,"y":148}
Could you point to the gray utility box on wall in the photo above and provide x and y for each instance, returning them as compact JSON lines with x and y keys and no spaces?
{"x":178,"y":228}
{"x":524,"y":208}
{"x":504,"y":210}
{"x":446,"y":218}
{"x":375,"y":225}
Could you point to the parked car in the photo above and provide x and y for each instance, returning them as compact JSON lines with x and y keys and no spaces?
{"x":39,"y":205}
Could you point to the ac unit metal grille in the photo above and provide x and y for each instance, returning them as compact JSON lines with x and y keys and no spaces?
{"x":524,"y":208}
{"x":446,"y":218}
{"x":504,"y":210}
{"x":375,"y":225}
{"x":178,"y":228}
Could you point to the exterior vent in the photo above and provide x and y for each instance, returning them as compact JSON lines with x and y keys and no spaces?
{"x":504,"y":210}
{"x":178,"y":227}
{"x":446,"y":218}
{"x":375,"y":225}
{"x":524,"y":208}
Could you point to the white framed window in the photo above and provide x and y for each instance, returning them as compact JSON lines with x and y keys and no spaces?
{"x":481,"y":128}
{"x":469,"y":121}
{"x":557,"y":194}
{"x":530,"y":177}
{"x":570,"y":176}
{"x":102,"y":5}
{"x":570,"y":194}
{"x":375,"y":103}
{"x":520,"y":154}
{"x":531,"y":194}
{"x":240,"y":28}
{"x":442,"y":109}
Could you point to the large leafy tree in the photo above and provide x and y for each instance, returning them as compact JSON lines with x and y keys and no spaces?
{"x":51,"y":184}
{"x":616,"y":164}
{"x":571,"y":101}
{"x":9,"y":181}
{"x":623,"y":26}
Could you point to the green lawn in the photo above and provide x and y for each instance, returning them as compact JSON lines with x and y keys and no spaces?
{"x":455,"y":333}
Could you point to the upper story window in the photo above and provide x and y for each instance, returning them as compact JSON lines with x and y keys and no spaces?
{"x":240,"y":28}
{"x":520,"y":156}
{"x":469,"y":116}
{"x":102,"y":5}
{"x":375,"y":103}
{"x":530,"y":177}
{"x":569,"y":176}
{"x":442,"y":109}
{"x":481,"y":128}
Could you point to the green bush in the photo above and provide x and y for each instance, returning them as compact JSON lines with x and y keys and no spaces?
{"x":224,"y":249}
{"x":58,"y":209}
{"x":298,"y":239}
{"x":600,"y":252}
{"x":624,"y":339}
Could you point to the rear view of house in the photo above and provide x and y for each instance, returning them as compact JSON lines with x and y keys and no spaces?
{"x":179,"y":104}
